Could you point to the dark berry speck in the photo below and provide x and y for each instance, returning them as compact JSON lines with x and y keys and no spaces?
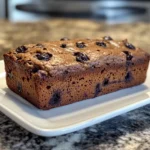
{"x":10,"y":75}
{"x":80,"y":44}
{"x":40,"y":45}
{"x":21,"y":49}
{"x":66,"y":72}
{"x":55,"y":99}
{"x":108,"y":38}
{"x":64,"y":39}
{"x":97,"y":90}
{"x":128,"y":55}
{"x":63,"y":45}
{"x":35,"y":69}
{"x":128,"y":77}
{"x":129,"y":45}
{"x":44,"y":56}
{"x":80,"y":57}
{"x":102,"y":44}
{"x":19,"y":87}
{"x":105,"y":82}
{"x":42,"y":74}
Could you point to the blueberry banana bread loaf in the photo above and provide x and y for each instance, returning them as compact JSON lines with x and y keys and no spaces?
{"x":62,"y":72}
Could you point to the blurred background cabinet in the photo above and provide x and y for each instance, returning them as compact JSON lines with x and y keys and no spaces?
{"x":3,"y":9}
{"x":110,"y":11}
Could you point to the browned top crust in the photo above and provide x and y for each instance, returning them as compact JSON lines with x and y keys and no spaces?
{"x":64,"y":56}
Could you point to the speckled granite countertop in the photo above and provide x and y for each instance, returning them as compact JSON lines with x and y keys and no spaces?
{"x":130,"y":131}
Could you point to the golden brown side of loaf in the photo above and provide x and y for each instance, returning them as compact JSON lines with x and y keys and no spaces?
{"x":62,"y":72}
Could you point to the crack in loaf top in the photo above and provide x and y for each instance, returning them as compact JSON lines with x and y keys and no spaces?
{"x":64,"y":56}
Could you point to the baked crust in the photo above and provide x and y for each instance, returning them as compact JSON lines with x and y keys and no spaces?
{"x":62,"y":72}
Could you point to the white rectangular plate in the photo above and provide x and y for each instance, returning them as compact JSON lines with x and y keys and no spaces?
{"x":72,"y":117}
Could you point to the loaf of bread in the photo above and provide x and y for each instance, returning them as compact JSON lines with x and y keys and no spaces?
{"x":62,"y":72}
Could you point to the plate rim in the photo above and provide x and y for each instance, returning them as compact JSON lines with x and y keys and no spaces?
{"x":70,"y":128}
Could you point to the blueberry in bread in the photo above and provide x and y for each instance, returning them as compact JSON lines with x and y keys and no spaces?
{"x":62,"y":72}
